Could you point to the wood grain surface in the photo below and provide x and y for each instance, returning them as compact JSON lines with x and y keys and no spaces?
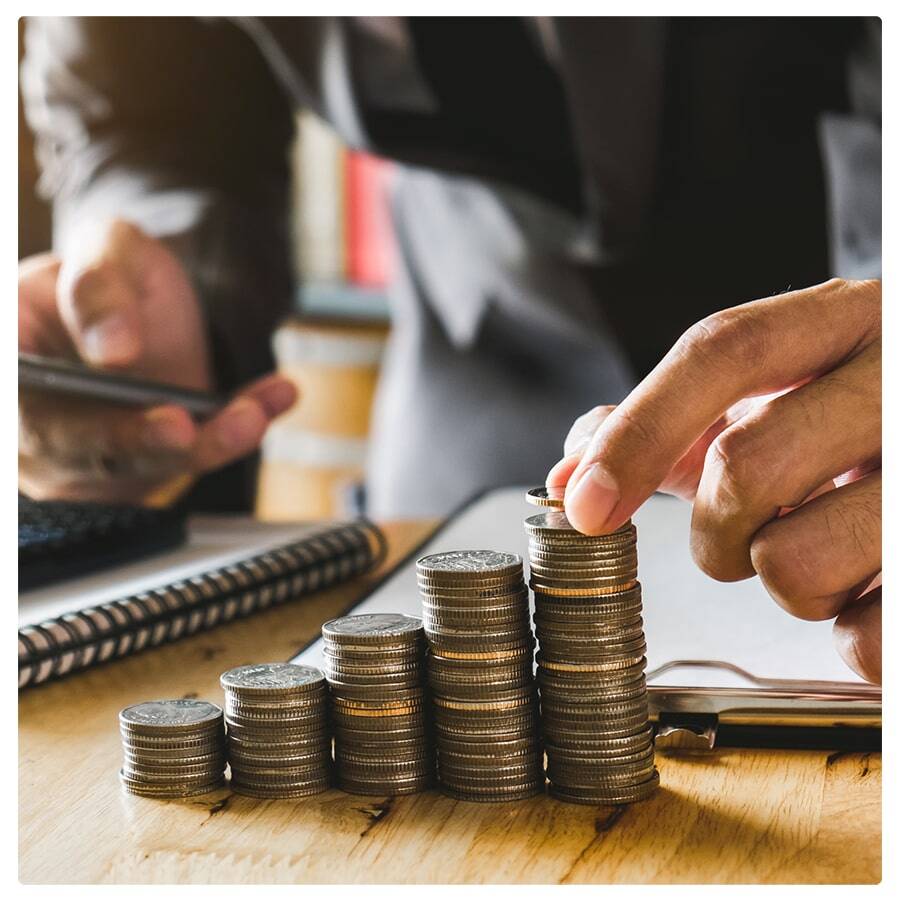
{"x":725,"y":817}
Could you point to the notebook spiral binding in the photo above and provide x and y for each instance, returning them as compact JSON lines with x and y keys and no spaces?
{"x":92,"y":636}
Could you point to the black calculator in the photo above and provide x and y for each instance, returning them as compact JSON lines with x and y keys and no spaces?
{"x":60,"y":539}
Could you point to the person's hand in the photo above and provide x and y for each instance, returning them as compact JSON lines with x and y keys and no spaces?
{"x":124,"y":302}
{"x":787,"y":487}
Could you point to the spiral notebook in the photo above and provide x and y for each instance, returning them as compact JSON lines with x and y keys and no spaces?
{"x":230,"y":567}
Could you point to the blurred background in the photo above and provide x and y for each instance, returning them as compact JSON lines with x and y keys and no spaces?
{"x":331,"y":346}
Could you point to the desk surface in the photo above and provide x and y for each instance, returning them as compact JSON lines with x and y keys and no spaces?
{"x":731,"y":816}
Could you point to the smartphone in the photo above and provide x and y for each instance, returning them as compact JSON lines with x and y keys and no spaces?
{"x":43,"y":373}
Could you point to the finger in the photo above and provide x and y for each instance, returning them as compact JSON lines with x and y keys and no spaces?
{"x":576,"y":442}
{"x":681,"y":480}
{"x":746,"y":351}
{"x":98,"y":299}
{"x":818,"y":558}
{"x":233,"y":433}
{"x":857,"y":634}
{"x":40,"y":329}
{"x":778,"y":455}
{"x":274,"y":393}
{"x":584,"y":428}
{"x":239,"y":428}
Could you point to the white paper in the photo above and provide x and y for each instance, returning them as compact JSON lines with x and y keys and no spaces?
{"x":687,"y":615}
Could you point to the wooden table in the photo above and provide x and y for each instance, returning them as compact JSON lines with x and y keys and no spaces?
{"x":730,"y":816}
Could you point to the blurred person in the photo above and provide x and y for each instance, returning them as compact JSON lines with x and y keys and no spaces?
{"x":572,"y":195}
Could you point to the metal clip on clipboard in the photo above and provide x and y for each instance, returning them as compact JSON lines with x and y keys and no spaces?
{"x":766,"y":712}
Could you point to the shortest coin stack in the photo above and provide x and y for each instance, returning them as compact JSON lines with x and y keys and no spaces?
{"x":172,"y":748}
{"x":279,"y":746}
{"x":374,"y":665}
{"x":480,"y":670}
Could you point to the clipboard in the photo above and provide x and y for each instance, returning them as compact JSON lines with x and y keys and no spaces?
{"x":726,"y":666}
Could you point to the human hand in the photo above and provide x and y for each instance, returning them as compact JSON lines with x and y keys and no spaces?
{"x":786,"y":486}
{"x":123,"y":301}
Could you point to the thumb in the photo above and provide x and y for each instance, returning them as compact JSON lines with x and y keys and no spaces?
{"x":97,"y":297}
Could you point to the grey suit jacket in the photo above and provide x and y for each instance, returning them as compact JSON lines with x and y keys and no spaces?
{"x":573,"y":193}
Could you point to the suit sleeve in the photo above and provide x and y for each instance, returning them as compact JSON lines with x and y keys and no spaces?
{"x":178,"y":125}
{"x":851,"y":147}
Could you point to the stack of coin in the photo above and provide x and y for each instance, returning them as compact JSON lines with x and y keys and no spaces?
{"x":594,"y":713}
{"x":279,"y":746}
{"x":172,"y":748}
{"x":480,"y":671}
{"x":374,"y":665}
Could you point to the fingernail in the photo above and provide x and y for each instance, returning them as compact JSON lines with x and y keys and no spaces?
{"x":240,"y":424}
{"x":110,"y":341}
{"x":592,"y":500}
{"x":165,"y":430}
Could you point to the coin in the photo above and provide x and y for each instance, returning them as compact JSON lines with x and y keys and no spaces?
{"x":272,"y":679}
{"x":264,"y":792}
{"x":169,"y":791}
{"x":611,"y":795}
{"x":496,"y":795}
{"x":470,"y":563}
{"x":385,"y":788}
{"x":574,"y":556}
{"x":372,"y":628}
{"x":170,"y":716}
{"x":547,"y":496}
{"x":554,"y":524}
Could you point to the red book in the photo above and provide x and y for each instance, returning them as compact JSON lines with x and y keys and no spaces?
{"x":370,"y":238}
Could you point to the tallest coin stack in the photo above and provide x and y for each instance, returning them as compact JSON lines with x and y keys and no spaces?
{"x":593,"y":693}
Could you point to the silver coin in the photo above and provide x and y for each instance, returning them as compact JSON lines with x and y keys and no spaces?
{"x":155,"y":761}
{"x":180,"y":749}
{"x":576,"y":556}
{"x":264,"y":792}
{"x":474,"y":594}
{"x":383,"y":788}
{"x":474,"y":561}
{"x":170,"y":792}
{"x":170,"y":714}
{"x":375,"y":655}
{"x":271,"y":677}
{"x":275,"y":714}
{"x":608,"y":795}
{"x":372,"y":627}
{"x":554,"y":521}
{"x":496,"y":795}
